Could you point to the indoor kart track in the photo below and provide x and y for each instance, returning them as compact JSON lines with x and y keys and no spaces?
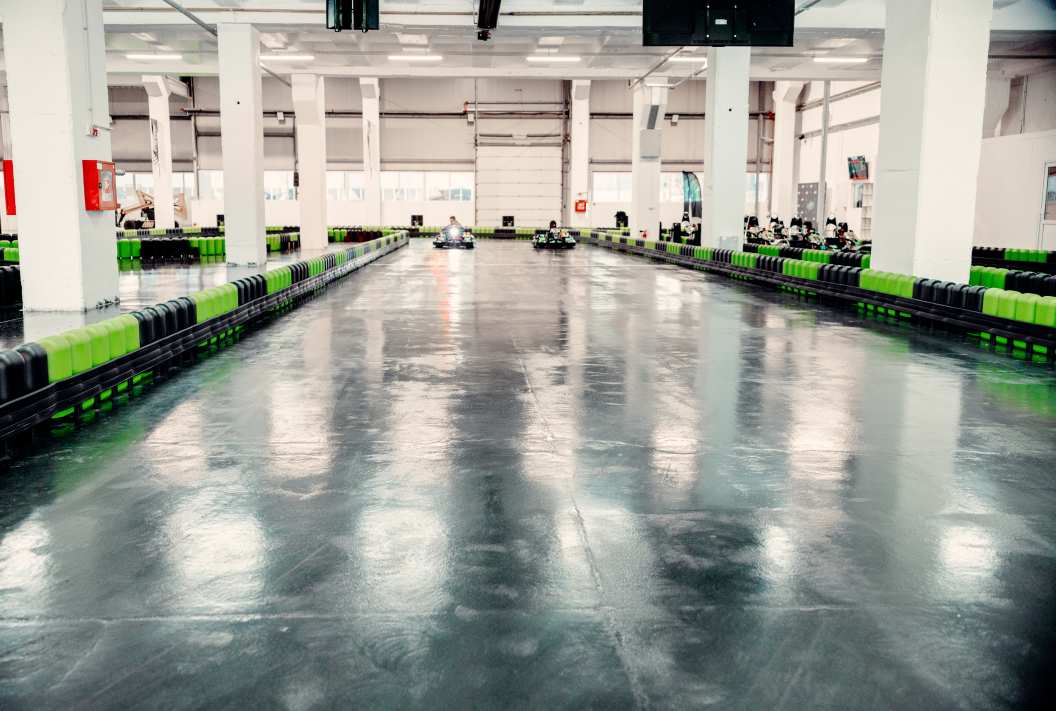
{"x":503,"y":477}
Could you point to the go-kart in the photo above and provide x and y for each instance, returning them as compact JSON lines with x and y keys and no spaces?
{"x":554,"y":239}
{"x":455,"y":237}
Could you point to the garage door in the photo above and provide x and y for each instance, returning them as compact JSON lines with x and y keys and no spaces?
{"x":523,"y":181}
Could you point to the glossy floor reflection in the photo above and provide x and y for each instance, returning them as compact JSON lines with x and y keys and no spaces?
{"x":509,"y":479}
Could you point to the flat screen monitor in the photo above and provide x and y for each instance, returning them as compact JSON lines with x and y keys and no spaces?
{"x":718,"y":23}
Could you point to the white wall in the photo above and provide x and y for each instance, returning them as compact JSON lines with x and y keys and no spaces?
{"x":1012,"y":188}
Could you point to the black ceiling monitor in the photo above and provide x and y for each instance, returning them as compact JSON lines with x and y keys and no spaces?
{"x":718,"y":23}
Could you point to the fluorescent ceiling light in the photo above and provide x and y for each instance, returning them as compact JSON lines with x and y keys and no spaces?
{"x":154,"y":57}
{"x":551,"y":58}
{"x":415,"y":57}
{"x":287,"y":57}
{"x":689,"y":59}
{"x":841,"y":60}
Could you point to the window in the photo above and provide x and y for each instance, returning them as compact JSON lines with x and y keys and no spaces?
{"x":449,"y":186}
{"x":211,"y":183}
{"x":344,"y":185}
{"x":749,"y":194}
{"x":397,"y":185}
{"x":671,"y":187}
{"x":183,"y":184}
{"x":612,"y":187}
{"x":128,"y":185}
{"x":278,"y":185}
{"x":126,"y":189}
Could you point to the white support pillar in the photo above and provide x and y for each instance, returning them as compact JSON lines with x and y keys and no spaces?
{"x":370,"y":90}
{"x":725,"y":147}
{"x":159,"y":89}
{"x":579,"y":154}
{"x":931,"y":127}
{"x":309,"y":105}
{"x":650,"y":103}
{"x":783,"y":175}
{"x":56,"y":72}
{"x":242,"y":143}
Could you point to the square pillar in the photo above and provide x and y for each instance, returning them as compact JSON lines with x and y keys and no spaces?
{"x":309,"y":105}
{"x":783,"y":172}
{"x":650,"y":103}
{"x":159,"y":89}
{"x":60,"y":116}
{"x":725,"y":147}
{"x":242,"y":143}
{"x":931,"y":125}
{"x":579,"y":154}
{"x":370,"y":90}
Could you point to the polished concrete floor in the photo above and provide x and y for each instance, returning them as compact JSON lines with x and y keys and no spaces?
{"x":509,"y":479}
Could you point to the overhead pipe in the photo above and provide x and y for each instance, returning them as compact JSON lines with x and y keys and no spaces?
{"x":212,"y":30}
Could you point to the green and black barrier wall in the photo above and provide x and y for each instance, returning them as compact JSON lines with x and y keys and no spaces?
{"x":1022,"y":321}
{"x":76,"y":371}
{"x":1025,"y":260}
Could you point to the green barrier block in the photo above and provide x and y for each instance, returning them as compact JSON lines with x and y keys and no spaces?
{"x":1026,"y":307}
{"x":115,"y":333}
{"x":80,"y":349}
{"x":137,"y":247}
{"x":1007,"y":304}
{"x":99,"y":337}
{"x":60,"y":357}
{"x":1045,"y":311}
{"x":230,"y":295}
{"x":200,"y":306}
{"x":124,"y":249}
{"x":975,"y":276}
{"x":991,"y":301}
{"x":131,"y":328}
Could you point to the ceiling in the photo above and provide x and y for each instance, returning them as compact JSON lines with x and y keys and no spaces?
{"x":604,"y":34}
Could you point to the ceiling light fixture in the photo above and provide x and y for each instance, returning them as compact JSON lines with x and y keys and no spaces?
{"x":287,"y":57}
{"x":153,"y":57}
{"x":415,"y":57}
{"x":551,"y":58}
{"x":841,"y":60}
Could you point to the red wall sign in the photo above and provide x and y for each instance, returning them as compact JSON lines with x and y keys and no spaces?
{"x":581,"y":205}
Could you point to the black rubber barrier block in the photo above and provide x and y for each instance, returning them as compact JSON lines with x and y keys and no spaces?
{"x":36,"y":360}
{"x":12,"y":376}
{"x":158,"y":320}
{"x":146,"y":328}
{"x":191,"y":309}
{"x":183,"y":319}
{"x":973,"y":298}
{"x":168,"y":315}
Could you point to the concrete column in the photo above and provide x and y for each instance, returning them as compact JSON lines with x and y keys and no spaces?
{"x":649,"y":105}
{"x":159,"y":89}
{"x":370,"y":91}
{"x":242,"y":143}
{"x":309,"y":104}
{"x":725,"y":147}
{"x":579,"y":154}
{"x":931,"y":127}
{"x":783,"y":170}
{"x":56,"y":72}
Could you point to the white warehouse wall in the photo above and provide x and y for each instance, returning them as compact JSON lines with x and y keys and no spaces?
{"x":1011,"y":171}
